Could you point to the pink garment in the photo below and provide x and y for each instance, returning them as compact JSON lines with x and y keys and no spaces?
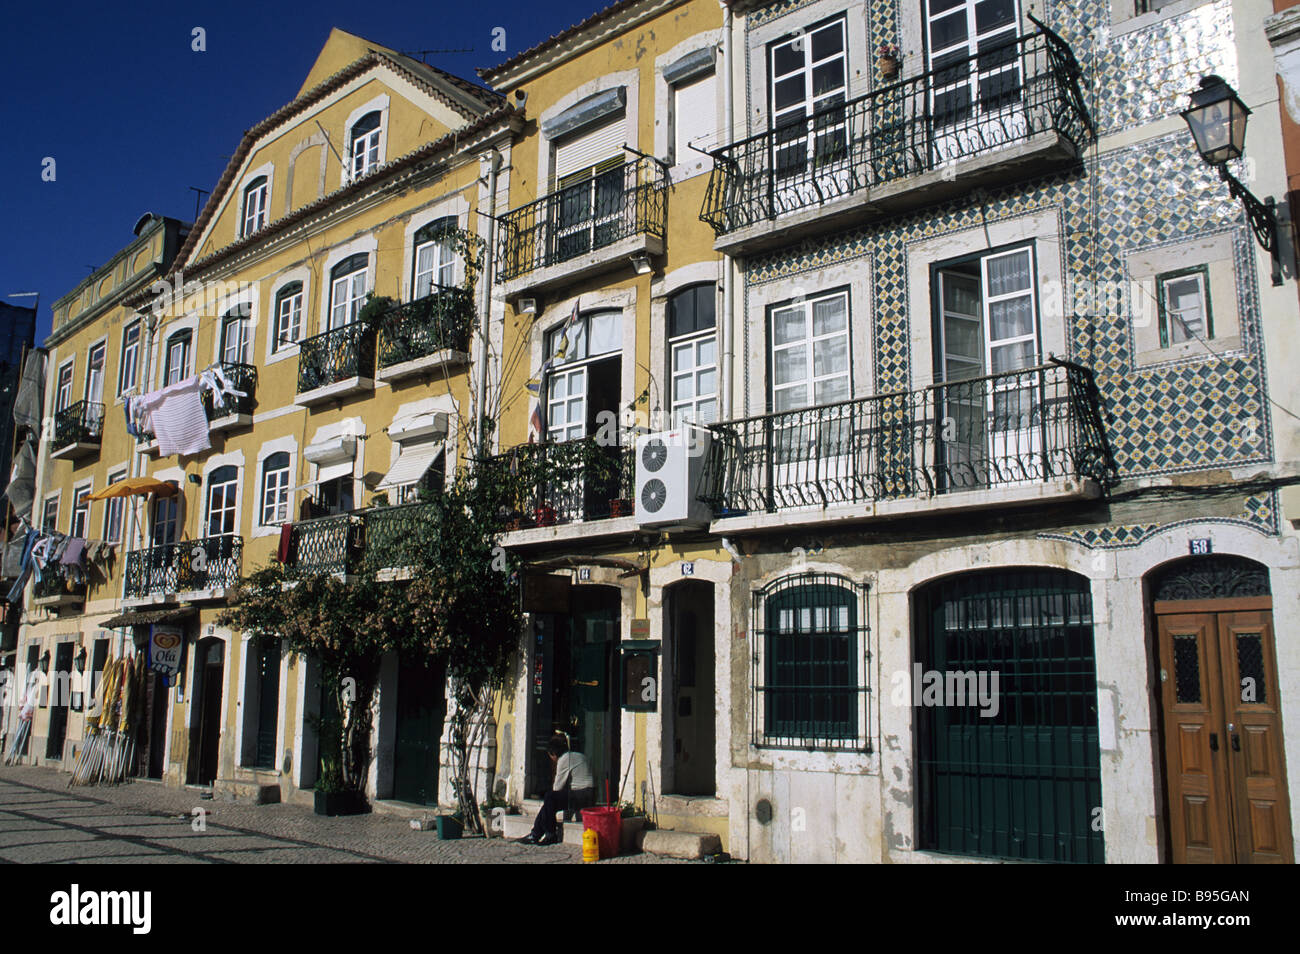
{"x":177,"y":418}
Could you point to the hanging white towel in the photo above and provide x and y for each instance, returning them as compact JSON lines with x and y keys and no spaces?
{"x":177,"y":416}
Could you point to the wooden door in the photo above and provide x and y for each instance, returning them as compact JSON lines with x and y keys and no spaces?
{"x":1222,"y":737}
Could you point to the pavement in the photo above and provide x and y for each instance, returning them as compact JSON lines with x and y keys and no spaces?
{"x":43,"y":820}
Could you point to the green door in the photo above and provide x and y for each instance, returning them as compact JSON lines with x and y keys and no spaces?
{"x":420,"y":710}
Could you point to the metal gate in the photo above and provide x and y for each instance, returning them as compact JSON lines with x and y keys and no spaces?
{"x":1014,"y":773}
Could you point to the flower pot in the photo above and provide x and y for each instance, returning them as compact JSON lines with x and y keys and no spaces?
{"x":888,"y":66}
{"x":620,"y":508}
{"x":545,"y":516}
{"x":340,"y":803}
{"x":449,"y":827}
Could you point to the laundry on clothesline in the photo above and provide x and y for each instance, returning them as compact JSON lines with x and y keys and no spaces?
{"x":175,"y":415}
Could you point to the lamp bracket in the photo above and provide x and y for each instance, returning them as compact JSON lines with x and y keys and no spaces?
{"x":1262,"y":217}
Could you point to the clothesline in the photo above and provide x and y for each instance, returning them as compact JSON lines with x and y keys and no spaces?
{"x":174,"y":414}
{"x":43,"y":548}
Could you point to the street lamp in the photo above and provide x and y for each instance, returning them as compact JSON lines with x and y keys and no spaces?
{"x":1217,"y":119}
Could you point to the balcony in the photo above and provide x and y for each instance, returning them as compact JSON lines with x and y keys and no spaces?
{"x":190,"y":570}
{"x":392,"y":534}
{"x":586,"y":228}
{"x":426,"y":334}
{"x":231,"y":412}
{"x":335,"y":364}
{"x":1008,"y":112}
{"x":562,"y":490}
{"x":59,"y":586}
{"x":78,"y":429}
{"x":1003,"y":440}
{"x":325,"y":545}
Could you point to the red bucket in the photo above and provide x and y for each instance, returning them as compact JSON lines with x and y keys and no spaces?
{"x":607,"y":822}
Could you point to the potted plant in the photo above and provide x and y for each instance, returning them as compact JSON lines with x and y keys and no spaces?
{"x":620,"y":507}
{"x":545,"y":515}
{"x":332,"y":798}
{"x":888,"y":60}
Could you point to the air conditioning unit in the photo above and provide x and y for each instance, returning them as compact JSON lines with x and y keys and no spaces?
{"x":526,"y":306}
{"x":669,"y":468}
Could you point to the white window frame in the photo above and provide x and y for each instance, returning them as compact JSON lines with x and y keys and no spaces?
{"x":351,"y":284}
{"x":812,"y":101}
{"x":809,"y":341}
{"x":50,"y":513}
{"x":242,"y":352}
{"x":184,"y":338}
{"x":254,"y":214}
{"x":691,"y":342}
{"x":269,"y":508}
{"x":572,"y":371}
{"x":441,"y":266}
{"x":128,"y":370}
{"x":114,"y":509}
{"x":370,"y":157}
{"x":1170,"y":316}
{"x":296,"y":302}
{"x":228,"y":507}
{"x":95,"y":377}
{"x":680,"y":148}
{"x":79,"y":521}
{"x":63,"y":387}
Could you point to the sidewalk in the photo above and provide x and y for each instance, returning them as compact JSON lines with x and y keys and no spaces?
{"x":43,"y":820}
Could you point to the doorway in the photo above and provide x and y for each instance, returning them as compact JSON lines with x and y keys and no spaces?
{"x":575,"y":674}
{"x":153,"y":740}
{"x":1224,"y":771}
{"x":205,"y":731}
{"x":689,"y":715}
{"x":60,"y":699}
{"x":421,"y":707}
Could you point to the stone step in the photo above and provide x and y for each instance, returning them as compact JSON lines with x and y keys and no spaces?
{"x":517,"y":826}
{"x":242,"y":791}
{"x":690,"y":845}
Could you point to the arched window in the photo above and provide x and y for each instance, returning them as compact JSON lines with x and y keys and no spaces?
{"x":693,"y":353}
{"x":223,"y":490}
{"x":256,"y":194}
{"x":275,"y":489}
{"x":434,"y":262}
{"x":288,"y":316}
{"x":234,"y":335}
{"x":1004,"y":691}
{"x":810,"y":666}
{"x":177,"y":366}
{"x":363,"y":144}
{"x":347,"y":290}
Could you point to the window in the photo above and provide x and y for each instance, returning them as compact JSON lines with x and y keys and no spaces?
{"x":335,"y":496}
{"x":275,"y":489}
{"x":288,"y":315}
{"x":234,"y":336}
{"x":126,"y":375}
{"x":695,"y":116}
{"x":164,"y":519}
{"x":347,"y":290}
{"x":50,"y":514}
{"x":95,"y":373}
{"x":810,"y":352}
{"x":363,"y":144}
{"x":975,"y":87}
{"x":113,"y":511}
{"x":589,"y":175}
{"x":988,"y":315}
{"x":63,"y":394}
{"x":435,"y":260}
{"x":692,"y":346}
{"x":177,"y":367}
{"x":584,"y":380}
{"x":808,"y":75}
{"x":223,"y":487}
{"x":1184,"y":302}
{"x":80,"y":521}
{"x":810,"y":667}
{"x":255,"y":205}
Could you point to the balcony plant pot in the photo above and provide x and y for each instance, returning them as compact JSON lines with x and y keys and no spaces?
{"x":620,"y":508}
{"x":339,"y":803}
{"x":545,"y":516}
{"x":888,"y":66}
{"x":449,"y":827}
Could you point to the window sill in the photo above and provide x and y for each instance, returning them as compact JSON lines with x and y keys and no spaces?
{"x":1188,"y":350}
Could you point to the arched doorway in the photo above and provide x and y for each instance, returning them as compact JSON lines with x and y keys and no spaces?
{"x":1221,"y":725}
{"x":1004,"y":696}
{"x":688,"y":705}
{"x":205,"y":727}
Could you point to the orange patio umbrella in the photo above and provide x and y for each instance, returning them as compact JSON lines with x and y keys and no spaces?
{"x":135,"y":486}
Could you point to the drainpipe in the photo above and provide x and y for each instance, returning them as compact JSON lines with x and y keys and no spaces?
{"x":728,"y":330}
{"x":493,"y":160}
{"x":134,"y":533}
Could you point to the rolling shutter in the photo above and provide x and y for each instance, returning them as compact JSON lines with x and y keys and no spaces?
{"x":585,"y":150}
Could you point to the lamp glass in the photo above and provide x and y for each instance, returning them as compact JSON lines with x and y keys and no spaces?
{"x":1217,"y":119}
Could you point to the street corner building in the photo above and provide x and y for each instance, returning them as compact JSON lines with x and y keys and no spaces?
{"x":897,"y":397}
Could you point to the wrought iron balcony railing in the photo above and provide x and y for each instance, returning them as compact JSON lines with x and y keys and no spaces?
{"x":628,"y":200}
{"x":80,"y":423}
{"x":208,"y":563}
{"x":1001,"y":96}
{"x":336,"y":355}
{"x":325,"y":545}
{"x":440,"y":321}
{"x":1000,"y":431}
{"x":58,"y":580}
{"x":392,"y":534}
{"x":242,"y":377}
{"x":565,"y":482}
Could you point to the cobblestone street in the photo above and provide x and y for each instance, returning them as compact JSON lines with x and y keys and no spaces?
{"x":44,"y":821}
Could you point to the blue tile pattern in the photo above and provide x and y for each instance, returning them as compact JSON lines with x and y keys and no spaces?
{"x":1260,"y":513}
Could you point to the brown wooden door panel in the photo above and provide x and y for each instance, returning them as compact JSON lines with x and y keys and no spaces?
{"x":1224,"y":765}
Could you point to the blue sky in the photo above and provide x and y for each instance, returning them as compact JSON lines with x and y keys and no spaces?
{"x":133,"y":117}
